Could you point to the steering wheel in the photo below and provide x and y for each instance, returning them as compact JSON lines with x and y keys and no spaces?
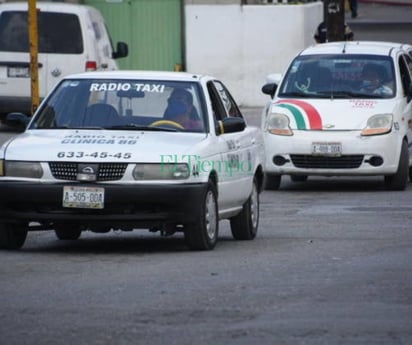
{"x":166,"y":122}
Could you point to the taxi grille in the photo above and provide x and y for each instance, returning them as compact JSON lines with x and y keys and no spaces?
{"x":106,"y":171}
{"x":327,"y":162}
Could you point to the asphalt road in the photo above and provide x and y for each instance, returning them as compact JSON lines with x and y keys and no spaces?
{"x":331,"y":265}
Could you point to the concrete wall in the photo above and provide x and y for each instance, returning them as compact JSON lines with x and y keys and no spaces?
{"x":242,"y":44}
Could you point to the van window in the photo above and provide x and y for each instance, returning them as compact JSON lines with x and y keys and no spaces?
{"x":59,"y":33}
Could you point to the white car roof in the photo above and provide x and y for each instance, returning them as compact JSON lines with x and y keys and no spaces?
{"x":133,"y":74}
{"x":355,"y":47}
{"x":42,"y":5}
{"x":47,"y":7}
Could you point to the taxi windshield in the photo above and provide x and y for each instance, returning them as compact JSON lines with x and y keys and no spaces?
{"x":339,"y":76}
{"x":123,"y":105}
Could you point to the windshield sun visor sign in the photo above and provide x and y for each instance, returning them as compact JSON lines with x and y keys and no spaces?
{"x":139,"y":87}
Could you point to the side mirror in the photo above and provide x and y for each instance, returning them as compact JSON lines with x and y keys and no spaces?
{"x":122,"y":50}
{"x":269,"y":89}
{"x":230,"y":125}
{"x":17,"y":121}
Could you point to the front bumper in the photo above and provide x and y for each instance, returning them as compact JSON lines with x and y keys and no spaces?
{"x":368,"y":156}
{"x":137,"y":205}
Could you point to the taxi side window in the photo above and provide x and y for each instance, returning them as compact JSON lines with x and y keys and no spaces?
{"x":405,"y":67}
{"x":218,"y":109}
{"x":223,"y":104}
{"x":231,"y":109}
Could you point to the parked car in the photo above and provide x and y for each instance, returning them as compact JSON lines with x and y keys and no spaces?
{"x":164,"y":151}
{"x":341,"y":109}
{"x":71,"y":39}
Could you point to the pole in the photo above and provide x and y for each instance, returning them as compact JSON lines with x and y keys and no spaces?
{"x":34,"y":66}
{"x":334,"y":13}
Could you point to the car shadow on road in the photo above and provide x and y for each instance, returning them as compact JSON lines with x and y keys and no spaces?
{"x":90,"y":243}
{"x":335,"y":184}
{"x":102,"y":244}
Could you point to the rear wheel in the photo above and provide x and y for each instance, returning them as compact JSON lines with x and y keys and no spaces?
{"x":244,"y":226}
{"x":12,"y":236}
{"x":399,"y":180}
{"x":203,"y":234}
{"x":272,"y":182}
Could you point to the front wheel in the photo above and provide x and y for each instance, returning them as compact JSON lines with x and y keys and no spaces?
{"x":67,"y":233}
{"x":12,"y":236}
{"x":399,"y":180}
{"x":244,"y":226}
{"x":203,"y":234}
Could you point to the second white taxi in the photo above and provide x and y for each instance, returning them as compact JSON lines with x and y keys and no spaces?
{"x":169,"y":152}
{"x":341,"y":109}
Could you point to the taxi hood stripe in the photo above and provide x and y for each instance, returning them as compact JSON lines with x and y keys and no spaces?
{"x":315,"y":121}
{"x":297,"y":114}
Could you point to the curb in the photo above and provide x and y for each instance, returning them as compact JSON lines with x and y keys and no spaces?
{"x":387,"y":2}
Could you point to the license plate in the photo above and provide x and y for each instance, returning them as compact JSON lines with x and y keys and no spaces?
{"x":83,"y":197}
{"x":18,"y":72}
{"x":326,"y":149}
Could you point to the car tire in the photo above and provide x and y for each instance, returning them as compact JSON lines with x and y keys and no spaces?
{"x":203,"y":234}
{"x":299,"y":178}
{"x":244,"y":226}
{"x":12,"y":236}
{"x":399,"y":180}
{"x":67,"y":233}
{"x":272,"y":182}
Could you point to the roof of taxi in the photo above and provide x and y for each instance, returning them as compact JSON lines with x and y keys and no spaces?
{"x":354,"y":47}
{"x":133,"y":74}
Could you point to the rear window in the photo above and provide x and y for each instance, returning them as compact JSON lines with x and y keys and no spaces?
{"x":59,"y":33}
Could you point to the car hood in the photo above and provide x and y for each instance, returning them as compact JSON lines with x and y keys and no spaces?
{"x":101,"y":146}
{"x":331,"y":114}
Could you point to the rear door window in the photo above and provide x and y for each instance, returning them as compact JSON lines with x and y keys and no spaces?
{"x":59,"y":33}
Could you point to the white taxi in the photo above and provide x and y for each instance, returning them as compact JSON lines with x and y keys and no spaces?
{"x":163,"y":151}
{"x":341,"y":109}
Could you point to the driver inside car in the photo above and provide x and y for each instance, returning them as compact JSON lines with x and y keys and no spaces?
{"x":180,"y":109}
{"x":373,"y":80}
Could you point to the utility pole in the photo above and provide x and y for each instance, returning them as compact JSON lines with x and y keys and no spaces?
{"x":34,"y":46}
{"x":334,"y":16}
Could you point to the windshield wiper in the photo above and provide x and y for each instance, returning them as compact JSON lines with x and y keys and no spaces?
{"x":296,"y":94}
{"x":133,"y":126}
{"x":343,"y":94}
{"x":366,"y":95}
{"x":70,"y":127}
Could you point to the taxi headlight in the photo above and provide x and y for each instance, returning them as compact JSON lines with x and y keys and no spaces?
{"x":378,"y":124}
{"x":23,"y":169}
{"x":278,"y":124}
{"x":164,"y":171}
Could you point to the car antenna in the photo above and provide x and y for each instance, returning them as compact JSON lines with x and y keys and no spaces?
{"x":344,"y":48}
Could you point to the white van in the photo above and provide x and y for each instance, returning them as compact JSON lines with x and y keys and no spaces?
{"x":72,"y":38}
